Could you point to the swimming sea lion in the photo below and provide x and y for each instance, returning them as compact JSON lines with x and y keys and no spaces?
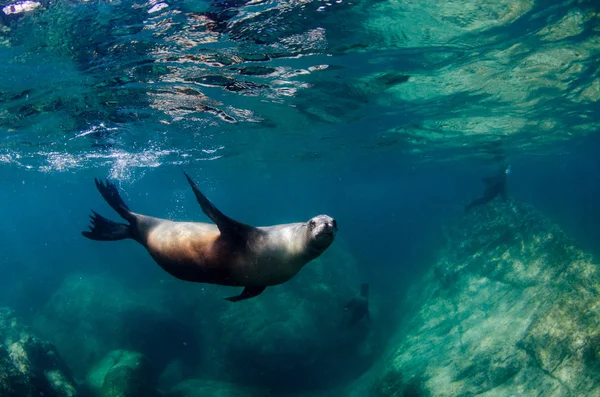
{"x":494,"y":186}
{"x":227,"y":253}
{"x":359,"y":306}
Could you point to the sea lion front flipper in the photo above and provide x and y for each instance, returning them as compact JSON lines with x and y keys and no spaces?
{"x":247,"y":293}
{"x":227,"y":226}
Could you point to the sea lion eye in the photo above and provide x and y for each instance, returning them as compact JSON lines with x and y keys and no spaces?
{"x":312,"y":222}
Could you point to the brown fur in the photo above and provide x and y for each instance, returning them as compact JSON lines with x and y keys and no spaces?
{"x":196,"y":251}
{"x":188,"y":251}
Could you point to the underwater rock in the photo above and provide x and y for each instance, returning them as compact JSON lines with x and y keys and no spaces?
{"x":171,"y":375}
{"x":202,"y":388}
{"x":510,"y":308}
{"x":28,"y":365}
{"x":88,"y":316}
{"x":122,"y":373}
{"x":294,"y":336}
{"x":187,"y":330}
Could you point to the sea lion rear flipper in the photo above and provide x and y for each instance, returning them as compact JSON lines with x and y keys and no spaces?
{"x":227,"y":226}
{"x":103,"y":229}
{"x":247,"y":293}
{"x":111,"y":195}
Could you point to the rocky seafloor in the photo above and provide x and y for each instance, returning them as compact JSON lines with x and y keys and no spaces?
{"x":511,"y":307}
{"x":30,"y":366}
{"x":175,"y":338}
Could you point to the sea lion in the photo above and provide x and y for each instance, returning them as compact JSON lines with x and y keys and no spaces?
{"x":494,"y":186}
{"x":227,"y":253}
{"x":359,"y":306}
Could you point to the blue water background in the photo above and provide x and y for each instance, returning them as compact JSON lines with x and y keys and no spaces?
{"x":391,"y":212}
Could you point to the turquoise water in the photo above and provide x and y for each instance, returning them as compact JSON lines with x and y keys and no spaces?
{"x":385,"y":115}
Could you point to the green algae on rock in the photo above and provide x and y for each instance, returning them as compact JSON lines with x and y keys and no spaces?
{"x":508,"y":309}
{"x":28,"y":365}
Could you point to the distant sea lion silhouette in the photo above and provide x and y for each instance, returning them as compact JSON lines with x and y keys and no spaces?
{"x":494,"y":186}
{"x":359,"y":306}
{"x":227,"y":253}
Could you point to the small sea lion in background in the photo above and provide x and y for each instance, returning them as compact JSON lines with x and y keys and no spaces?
{"x":359,"y":306}
{"x":227,"y":253}
{"x":494,"y":186}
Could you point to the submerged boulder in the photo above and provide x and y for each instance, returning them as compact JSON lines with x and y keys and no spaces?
{"x":188,"y":330}
{"x":30,"y":366}
{"x":88,"y":316}
{"x":203,"y":388}
{"x":122,"y":373}
{"x":510,"y":308}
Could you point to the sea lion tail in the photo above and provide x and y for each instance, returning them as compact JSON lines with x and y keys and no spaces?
{"x":103,"y":229}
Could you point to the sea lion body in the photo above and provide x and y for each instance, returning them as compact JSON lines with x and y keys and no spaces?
{"x":226,"y":253}
{"x":494,"y":186}
{"x":193,"y":251}
{"x":359,"y":306}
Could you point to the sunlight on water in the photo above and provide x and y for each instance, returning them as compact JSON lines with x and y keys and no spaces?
{"x":484,"y":73}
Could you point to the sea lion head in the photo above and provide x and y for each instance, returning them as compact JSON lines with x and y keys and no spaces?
{"x":321,"y":232}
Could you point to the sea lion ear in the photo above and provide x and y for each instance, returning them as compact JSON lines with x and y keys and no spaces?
{"x":228,"y":227}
